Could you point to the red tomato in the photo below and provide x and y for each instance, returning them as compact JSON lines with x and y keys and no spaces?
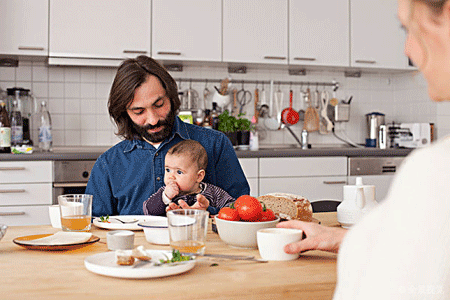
{"x":229,"y":214}
{"x":249,"y":208}
{"x":267,"y":215}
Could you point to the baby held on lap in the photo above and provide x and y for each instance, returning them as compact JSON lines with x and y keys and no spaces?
{"x":185,"y":165}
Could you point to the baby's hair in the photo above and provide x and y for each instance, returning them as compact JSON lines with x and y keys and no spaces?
{"x":192,"y":149}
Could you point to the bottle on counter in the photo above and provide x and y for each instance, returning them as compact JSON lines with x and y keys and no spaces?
{"x":214,"y":116}
{"x":16,"y":125}
{"x":5,"y":130}
{"x":45,"y":128}
{"x":207,"y":121}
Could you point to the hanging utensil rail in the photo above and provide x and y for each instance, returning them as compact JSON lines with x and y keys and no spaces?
{"x":334,"y":84}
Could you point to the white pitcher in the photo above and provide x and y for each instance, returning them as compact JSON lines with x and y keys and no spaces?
{"x":358,"y":200}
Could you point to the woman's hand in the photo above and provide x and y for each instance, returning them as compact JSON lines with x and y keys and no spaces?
{"x":202,"y":203}
{"x":318,"y":237}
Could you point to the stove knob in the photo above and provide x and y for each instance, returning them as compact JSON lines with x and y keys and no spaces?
{"x":85,"y":174}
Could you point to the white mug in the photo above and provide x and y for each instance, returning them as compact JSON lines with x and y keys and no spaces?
{"x":55,"y":216}
{"x":271,"y":242}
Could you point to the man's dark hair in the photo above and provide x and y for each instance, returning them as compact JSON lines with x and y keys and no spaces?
{"x":131,"y":74}
{"x":192,"y":149}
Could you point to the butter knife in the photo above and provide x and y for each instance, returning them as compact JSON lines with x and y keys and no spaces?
{"x":225,"y":256}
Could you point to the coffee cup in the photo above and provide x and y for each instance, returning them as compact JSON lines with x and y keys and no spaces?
{"x":55,"y":216}
{"x":120,"y":240}
{"x":271,"y":242}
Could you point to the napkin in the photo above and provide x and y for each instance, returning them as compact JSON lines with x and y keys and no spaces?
{"x":61,"y":238}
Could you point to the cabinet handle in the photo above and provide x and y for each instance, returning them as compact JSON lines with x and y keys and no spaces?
{"x":275,"y":57}
{"x":305,"y":58}
{"x":70,"y":184}
{"x":168,"y":53}
{"x":12,"y":191}
{"x":12,"y":168}
{"x":362,"y":61}
{"x":13,"y":213}
{"x":31,"y":48}
{"x":135,"y":51}
{"x":335,"y":182}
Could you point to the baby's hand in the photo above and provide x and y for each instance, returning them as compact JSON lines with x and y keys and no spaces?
{"x":202,"y":203}
{"x":171,"y":190}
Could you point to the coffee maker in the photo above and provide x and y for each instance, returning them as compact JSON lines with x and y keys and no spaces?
{"x":27,"y":106}
{"x":374,"y":121}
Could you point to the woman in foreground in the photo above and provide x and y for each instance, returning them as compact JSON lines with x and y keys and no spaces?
{"x":401,"y":250}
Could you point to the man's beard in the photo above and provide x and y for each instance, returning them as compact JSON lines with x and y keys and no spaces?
{"x":159,"y":136}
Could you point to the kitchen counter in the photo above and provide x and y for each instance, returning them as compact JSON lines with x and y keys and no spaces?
{"x":62,"y":274}
{"x":92,"y":153}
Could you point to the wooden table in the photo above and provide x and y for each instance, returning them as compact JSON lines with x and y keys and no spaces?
{"x":30,"y":274}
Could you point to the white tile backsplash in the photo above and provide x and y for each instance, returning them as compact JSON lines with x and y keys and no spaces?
{"x":78,"y":97}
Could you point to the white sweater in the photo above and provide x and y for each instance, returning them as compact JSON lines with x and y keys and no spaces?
{"x":401,"y":250}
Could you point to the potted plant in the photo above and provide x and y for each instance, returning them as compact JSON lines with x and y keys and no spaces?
{"x":228,"y":124}
{"x":244,"y":127}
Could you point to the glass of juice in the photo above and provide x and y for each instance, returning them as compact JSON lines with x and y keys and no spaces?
{"x":187,"y":230}
{"x":76,"y":212}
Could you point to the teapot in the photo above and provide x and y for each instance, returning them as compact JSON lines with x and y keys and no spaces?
{"x":358,"y":200}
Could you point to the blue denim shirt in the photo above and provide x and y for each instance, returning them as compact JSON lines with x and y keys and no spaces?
{"x":128,"y":173}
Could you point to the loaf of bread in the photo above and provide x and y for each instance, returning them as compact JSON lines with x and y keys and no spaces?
{"x":288,"y":206}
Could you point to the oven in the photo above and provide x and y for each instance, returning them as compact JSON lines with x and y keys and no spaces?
{"x":70,"y":177}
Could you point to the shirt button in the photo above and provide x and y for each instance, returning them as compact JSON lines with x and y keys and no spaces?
{"x":158,"y":178}
{"x":156,"y":154}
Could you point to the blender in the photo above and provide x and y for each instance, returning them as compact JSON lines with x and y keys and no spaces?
{"x":27,"y":106}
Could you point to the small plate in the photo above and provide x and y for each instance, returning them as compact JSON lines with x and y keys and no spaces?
{"x":105,"y":264}
{"x":37,"y":246}
{"x":115,"y":224}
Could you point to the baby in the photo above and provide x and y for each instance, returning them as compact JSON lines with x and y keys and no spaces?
{"x":185,"y":165}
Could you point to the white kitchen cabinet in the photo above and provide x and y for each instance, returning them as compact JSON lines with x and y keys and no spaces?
{"x":377,"y":40}
{"x":255,"y":31}
{"x":316,"y":178}
{"x":24,"y":27}
{"x":251,"y":172}
{"x":319,"y":32}
{"x":110,"y":30}
{"x":187,"y":30}
{"x":25,"y":192}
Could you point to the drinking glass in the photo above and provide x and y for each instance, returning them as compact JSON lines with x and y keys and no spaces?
{"x":187,"y":230}
{"x":76,"y":212}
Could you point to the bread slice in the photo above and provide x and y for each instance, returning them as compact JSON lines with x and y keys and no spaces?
{"x":288,"y":206}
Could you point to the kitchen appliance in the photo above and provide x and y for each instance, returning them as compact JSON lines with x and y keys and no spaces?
{"x":374,"y":120}
{"x":409,"y":135}
{"x":27,"y":106}
{"x":70,"y":177}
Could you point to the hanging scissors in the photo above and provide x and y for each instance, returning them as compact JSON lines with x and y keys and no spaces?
{"x":244,"y":97}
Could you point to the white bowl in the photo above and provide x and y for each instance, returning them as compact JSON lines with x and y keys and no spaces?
{"x":156,"y":230}
{"x":241,"y":234}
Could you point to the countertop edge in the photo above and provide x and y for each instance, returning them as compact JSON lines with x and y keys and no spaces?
{"x":94,"y":154}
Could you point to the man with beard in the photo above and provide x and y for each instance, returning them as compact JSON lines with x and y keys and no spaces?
{"x":143,"y":102}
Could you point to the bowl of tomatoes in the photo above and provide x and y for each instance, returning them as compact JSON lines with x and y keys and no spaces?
{"x":237,"y":224}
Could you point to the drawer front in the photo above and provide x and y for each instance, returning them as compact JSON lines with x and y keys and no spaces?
{"x":25,"y":215}
{"x":25,"y":171}
{"x":313,"y":188}
{"x":303,"y":166}
{"x":250,"y":167}
{"x":25,"y":194}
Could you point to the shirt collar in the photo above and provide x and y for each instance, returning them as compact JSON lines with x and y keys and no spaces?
{"x":179,"y":129}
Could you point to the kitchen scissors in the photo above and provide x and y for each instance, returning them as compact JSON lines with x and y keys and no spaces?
{"x":244,"y":97}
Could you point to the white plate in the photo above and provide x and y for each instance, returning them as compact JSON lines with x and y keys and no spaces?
{"x":105,"y":264}
{"x":114,"y":224}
